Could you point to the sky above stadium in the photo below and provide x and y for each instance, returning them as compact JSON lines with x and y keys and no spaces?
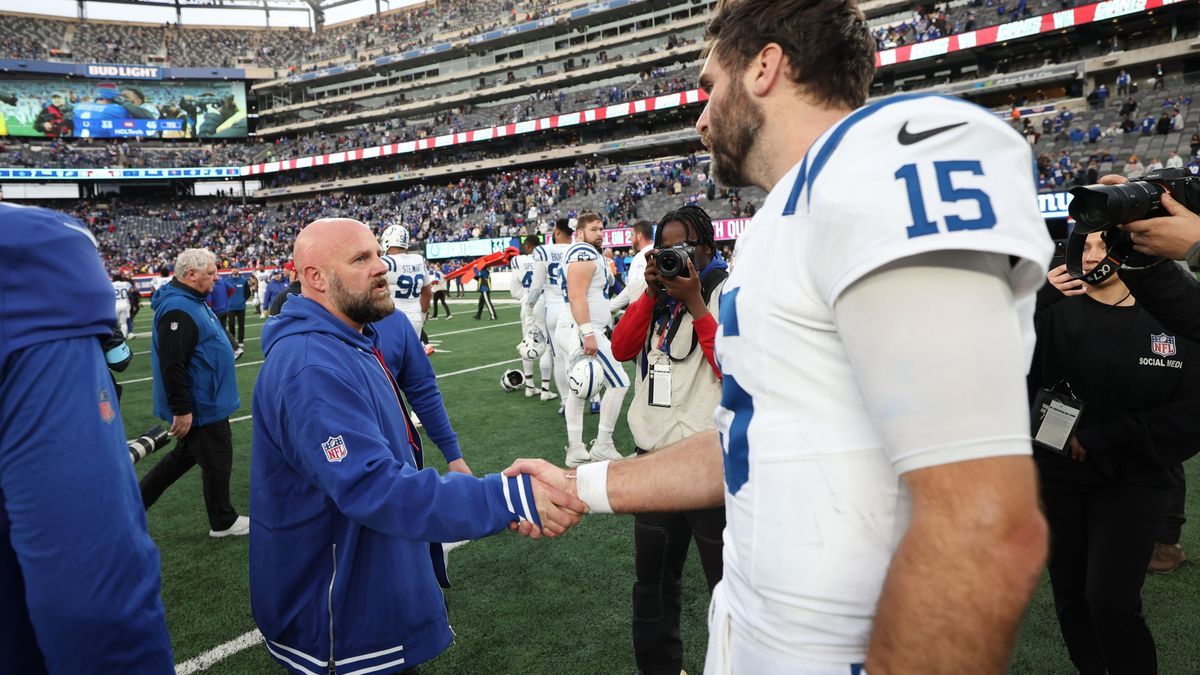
{"x":204,"y":15}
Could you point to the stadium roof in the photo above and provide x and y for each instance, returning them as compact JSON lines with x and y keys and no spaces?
{"x":256,"y":13}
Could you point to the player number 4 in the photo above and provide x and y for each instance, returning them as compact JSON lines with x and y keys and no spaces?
{"x":922,"y":225}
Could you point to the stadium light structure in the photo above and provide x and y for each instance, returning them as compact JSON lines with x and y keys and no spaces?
{"x":314,"y":8}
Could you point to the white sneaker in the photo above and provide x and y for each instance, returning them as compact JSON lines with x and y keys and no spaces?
{"x":604,"y":451}
{"x":239,"y":528}
{"x":131,"y":336}
{"x":530,"y":392}
{"x":548,"y":395}
{"x":237,"y":353}
{"x":576,"y":455}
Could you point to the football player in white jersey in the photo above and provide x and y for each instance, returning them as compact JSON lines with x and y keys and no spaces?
{"x":873,"y":448}
{"x":580,"y":333}
{"x":522,"y":267}
{"x":406,"y":277}
{"x":122,"y":289}
{"x":546,"y":290}
{"x":163,"y":278}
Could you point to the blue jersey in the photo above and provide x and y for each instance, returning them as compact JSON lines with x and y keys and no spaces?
{"x":71,"y":500}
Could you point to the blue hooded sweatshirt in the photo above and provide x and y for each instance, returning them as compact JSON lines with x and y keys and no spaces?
{"x":341,"y":579}
{"x":237,"y":299}
{"x":79,"y":574}
{"x":219,"y":297}
{"x":406,"y":359}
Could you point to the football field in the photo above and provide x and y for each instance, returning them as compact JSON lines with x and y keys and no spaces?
{"x":517,"y":606}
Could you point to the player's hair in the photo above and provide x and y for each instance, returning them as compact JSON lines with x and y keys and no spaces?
{"x":828,"y":45}
{"x":585,"y":218}
{"x":193,"y":259}
{"x":533,"y":240}
{"x":643,"y":228}
{"x":564,"y":225}
{"x":693,"y":217}
{"x":140,"y":95}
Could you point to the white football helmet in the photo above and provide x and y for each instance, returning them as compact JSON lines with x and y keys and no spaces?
{"x":396,"y":235}
{"x":585,"y":378}
{"x":512,"y":380}
{"x":531,"y":349}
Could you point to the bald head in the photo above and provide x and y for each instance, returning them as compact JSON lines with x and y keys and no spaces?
{"x":337,"y":262}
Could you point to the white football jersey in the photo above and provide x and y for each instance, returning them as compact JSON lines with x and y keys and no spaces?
{"x":122,"y":290}
{"x":814,"y":501}
{"x":406,"y":277}
{"x":158,"y":282}
{"x":597,"y":290}
{"x":522,"y":276}
{"x":548,"y":272}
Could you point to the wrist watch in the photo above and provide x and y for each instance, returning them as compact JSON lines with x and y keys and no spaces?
{"x":1193,"y":257}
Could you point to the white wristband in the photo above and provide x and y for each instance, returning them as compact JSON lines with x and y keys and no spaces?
{"x":585,"y":329}
{"x":591,"y":481}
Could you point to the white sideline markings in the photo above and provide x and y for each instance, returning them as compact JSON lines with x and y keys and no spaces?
{"x":472,"y":330}
{"x":147,"y":379}
{"x":219,"y":653}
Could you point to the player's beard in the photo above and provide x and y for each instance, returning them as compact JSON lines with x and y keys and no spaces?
{"x":732,"y":131}
{"x":362,"y":308}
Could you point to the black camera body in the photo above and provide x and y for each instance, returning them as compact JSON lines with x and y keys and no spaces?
{"x":673,"y":261}
{"x":1101,"y":208}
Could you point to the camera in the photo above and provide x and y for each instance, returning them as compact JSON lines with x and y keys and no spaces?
{"x":156,"y":438}
{"x":1101,"y":208}
{"x":673,"y":261}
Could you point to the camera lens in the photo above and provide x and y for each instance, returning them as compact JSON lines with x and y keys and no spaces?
{"x":671,"y":264}
{"x":1100,"y":207}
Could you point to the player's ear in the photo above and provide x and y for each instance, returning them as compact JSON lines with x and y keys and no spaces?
{"x":766,"y":69}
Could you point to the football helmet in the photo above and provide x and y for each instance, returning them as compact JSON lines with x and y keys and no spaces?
{"x":585,"y":378}
{"x":512,"y":380}
{"x":396,"y":235}
{"x":533,"y":345}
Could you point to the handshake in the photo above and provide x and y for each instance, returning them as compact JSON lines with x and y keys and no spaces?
{"x":555,"y":495}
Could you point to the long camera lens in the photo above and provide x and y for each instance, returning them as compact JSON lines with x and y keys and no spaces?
{"x":1101,"y":207}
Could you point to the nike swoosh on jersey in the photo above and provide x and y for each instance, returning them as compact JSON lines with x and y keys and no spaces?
{"x":907,"y":138}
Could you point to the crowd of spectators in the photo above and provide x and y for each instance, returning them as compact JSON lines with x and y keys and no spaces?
{"x":930,"y":21}
{"x":96,"y":154}
{"x":143,"y":235}
{"x":296,"y":50}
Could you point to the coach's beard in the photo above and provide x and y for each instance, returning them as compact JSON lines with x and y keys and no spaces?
{"x":364,"y":308}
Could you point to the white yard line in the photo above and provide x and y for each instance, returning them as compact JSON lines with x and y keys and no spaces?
{"x":214,"y":656}
{"x":147,"y":379}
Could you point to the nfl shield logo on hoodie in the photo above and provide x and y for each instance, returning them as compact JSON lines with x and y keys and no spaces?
{"x":1162,"y":344}
{"x":335,"y":449}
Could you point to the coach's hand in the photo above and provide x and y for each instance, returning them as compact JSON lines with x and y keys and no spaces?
{"x":181,"y":425}
{"x":459,"y":466}
{"x":558,"y":504}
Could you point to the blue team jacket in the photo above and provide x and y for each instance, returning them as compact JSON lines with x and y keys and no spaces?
{"x":341,"y":517}
{"x":220,"y":296}
{"x":211,"y":370}
{"x":79,"y":575}
{"x":237,"y":301}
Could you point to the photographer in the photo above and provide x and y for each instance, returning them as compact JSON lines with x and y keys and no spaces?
{"x":1125,"y":392}
{"x":1167,"y":292}
{"x":670,"y":330}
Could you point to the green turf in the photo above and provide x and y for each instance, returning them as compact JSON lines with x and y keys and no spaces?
{"x":519,"y":606}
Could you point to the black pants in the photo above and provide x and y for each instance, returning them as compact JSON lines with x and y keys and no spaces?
{"x":210,"y":446}
{"x":1172,"y":526}
{"x":485,"y":300}
{"x":1101,"y":539}
{"x":440,"y":296}
{"x":236,"y":318}
{"x":459,"y":288}
{"x":660,"y":545}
